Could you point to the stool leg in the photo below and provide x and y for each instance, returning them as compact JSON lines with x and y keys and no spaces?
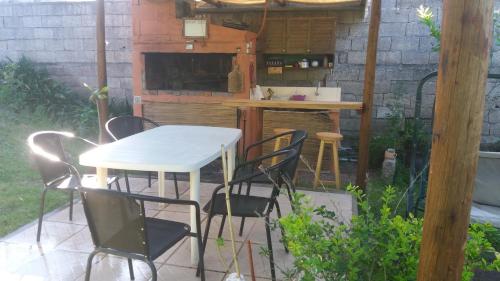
{"x":277,"y":145}
{"x":335,"y":160}
{"x":318,"y":164}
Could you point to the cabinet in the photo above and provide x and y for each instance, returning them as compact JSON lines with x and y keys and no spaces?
{"x":275,"y":36}
{"x":300,"y":35}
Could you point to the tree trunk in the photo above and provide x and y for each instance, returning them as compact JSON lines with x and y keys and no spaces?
{"x":369,"y":85}
{"x":463,"y":68}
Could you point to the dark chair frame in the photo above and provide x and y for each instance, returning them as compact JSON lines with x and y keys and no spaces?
{"x":297,"y":141}
{"x":41,"y":156}
{"x":145,"y":257}
{"x":271,"y":201}
{"x":115,"y":138}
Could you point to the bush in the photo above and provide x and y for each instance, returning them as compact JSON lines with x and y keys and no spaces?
{"x":372,"y":247}
{"x":28,"y":87}
{"x":398,"y":133}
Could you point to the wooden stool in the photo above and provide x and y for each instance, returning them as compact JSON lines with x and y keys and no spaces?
{"x":333,"y":139}
{"x":277,"y":142}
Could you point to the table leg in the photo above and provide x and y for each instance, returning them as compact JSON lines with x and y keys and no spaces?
{"x":194,"y":194}
{"x":161,"y":187}
{"x":231,"y":160}
{"x":102,"y":177}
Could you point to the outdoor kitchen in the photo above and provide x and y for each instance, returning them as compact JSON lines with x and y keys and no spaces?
{"x":186,"y":65}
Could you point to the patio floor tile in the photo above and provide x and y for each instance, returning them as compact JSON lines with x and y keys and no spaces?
{"x":64,"y":247}
{"x":55,"y":265}
{"x":53,"y":234}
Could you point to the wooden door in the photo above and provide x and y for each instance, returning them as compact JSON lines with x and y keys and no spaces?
{"x":297,"y":35}
{"x":275,"y":36}
{"x":322,"y":36}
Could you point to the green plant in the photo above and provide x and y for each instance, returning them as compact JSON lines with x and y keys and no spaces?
{"x":398,"y":133}
{"x":28,"y":87}
{"x":371,"y":247}
{"x":427,"y":18}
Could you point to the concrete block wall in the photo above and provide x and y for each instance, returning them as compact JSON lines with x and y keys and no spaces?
{"x":405,"y":55}
{"x":61,"y":35}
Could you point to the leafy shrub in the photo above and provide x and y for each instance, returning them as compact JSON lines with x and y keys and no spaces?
{"x":372,"y":247}
{"x":398,"y":133}
{"x":24,"y":86}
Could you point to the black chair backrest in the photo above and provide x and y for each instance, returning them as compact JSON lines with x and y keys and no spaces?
{"x":296,"y":143}
{"x":116,"y":221}
{"x":255,"y":168}
{"x":49,"y":155}
{"x":124,"y":126}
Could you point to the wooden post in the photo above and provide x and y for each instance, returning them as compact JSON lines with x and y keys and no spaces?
{"x":102,"y":104}
{"x":369,"y":85}
{"x":463,"y":68}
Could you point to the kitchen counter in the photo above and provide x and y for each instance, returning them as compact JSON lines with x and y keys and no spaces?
{"x":251,"y":116}
{"x":288,"y":104}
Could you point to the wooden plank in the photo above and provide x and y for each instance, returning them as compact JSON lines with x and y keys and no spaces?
{"x":463,"y":68}
{"x":102,"y":104}
{"x":369,"y":85}
{"x":190,"y":114}
{"x":321,"y":105}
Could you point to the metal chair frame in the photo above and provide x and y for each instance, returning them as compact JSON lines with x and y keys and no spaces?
{"x":145,"y":256}
{"x":297,"y":141}
{"x":272,"y":202}
{"x":419,"y":175}
{"x":115,"y":137}
{"x":52,"y":184}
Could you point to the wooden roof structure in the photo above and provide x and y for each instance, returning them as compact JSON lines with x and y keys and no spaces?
{"x":273,"y":5}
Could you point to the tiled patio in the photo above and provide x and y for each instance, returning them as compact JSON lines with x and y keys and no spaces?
{"x":64,"y":247}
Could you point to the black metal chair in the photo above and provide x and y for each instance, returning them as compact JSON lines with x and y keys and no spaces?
{"x":297,"y":141}
{"x":56,"y":170}
{"x":248,"y":205}
{"x":119,"y":226}
{"x":124,"y":126}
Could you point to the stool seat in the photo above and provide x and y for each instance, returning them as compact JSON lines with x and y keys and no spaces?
{"x":279,"y":131}
{"x":329,"y":136}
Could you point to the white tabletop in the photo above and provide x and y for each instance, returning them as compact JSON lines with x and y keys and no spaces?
{"x":169,"y":148}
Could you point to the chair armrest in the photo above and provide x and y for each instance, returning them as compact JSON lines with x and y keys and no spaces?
{"x":150,"y":198}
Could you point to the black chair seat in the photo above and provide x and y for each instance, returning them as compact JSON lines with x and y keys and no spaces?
{"x":163,"y":234}
{"x":71,"y":181}
{"x":241,"y":205}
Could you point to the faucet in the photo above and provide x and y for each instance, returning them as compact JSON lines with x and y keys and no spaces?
{"x":317,"y":88}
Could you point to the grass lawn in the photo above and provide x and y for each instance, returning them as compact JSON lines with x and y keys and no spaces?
{"x":20,"y":183}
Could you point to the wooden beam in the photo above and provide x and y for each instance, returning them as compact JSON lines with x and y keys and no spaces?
{"x":369,"y":85}
{"x":460,"y":92}
{"x":215,"y":3}
{"x":102,"y":104}
{"x":281,"y":3}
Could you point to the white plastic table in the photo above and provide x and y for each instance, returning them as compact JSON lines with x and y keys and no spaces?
{"x":169,"y":148}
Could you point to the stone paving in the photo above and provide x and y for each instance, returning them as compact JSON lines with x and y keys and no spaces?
{"x":65,"y":245}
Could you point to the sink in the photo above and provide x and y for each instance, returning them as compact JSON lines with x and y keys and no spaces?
{"x":325,"y":93}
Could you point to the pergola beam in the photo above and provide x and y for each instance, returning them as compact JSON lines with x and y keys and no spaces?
{"x":102,"y":104}
{"x":369,"y":86}
{"x":215,"y":3}
{"x":460,"y":92}
{"x":282,"y":3}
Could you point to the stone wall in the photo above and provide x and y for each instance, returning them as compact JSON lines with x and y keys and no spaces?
{"x":62,"y":36}
{"x":405,"y":56}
